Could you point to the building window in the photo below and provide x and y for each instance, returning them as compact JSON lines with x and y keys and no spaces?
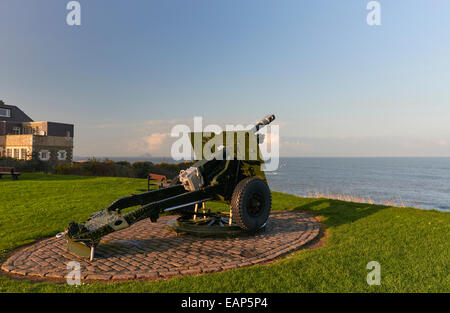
{"x":62,"y":155}
{"x":9,"y":153}
{"x":16,"y":131}
{"x":23,"y":154}
{"x":27,"y":130}
{"x":44,"y":155}
{"x":5,"y":112}
{"x":16,"y":153}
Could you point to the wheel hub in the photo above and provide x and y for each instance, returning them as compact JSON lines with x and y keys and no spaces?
{"x":255,"y":204}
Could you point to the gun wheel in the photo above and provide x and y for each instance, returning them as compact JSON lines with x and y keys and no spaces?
{"x":251,"y":203}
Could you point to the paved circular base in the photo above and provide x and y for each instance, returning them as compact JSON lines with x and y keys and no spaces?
{"x":151,"y":251}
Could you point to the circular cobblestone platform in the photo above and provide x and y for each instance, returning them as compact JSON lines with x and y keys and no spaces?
{"x":151,"y":251}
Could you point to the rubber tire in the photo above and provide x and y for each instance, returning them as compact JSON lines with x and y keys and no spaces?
{"x":244,"y":189}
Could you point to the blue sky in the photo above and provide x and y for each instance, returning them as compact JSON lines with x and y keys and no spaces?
{"x":133,"y":69}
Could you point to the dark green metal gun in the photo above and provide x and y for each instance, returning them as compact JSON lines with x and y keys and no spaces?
{"x":233,"y":175}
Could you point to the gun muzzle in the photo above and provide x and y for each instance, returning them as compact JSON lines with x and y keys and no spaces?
{"x":265,"y":121}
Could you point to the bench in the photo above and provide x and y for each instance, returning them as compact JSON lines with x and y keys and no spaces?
{"x":161,"y":181}
{"x":9,"y":171}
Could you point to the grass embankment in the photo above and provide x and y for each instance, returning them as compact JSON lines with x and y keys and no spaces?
{"x":411,"y":245}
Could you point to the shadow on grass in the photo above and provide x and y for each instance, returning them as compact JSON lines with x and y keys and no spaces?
{"x":338,"y":212}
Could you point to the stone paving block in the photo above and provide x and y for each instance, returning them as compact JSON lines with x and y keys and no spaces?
{"x":129,"y":276}
{"x":99,"y":276}
{"x":148,"y":275}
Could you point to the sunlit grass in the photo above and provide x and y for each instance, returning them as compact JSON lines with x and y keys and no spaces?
{"x":411,"y":245}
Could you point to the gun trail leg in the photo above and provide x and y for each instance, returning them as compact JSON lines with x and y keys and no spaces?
{"x":92,"y":253}
{"x":195,"y":211}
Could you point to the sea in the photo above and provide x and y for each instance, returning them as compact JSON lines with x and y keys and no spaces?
{"x":417,"y":182}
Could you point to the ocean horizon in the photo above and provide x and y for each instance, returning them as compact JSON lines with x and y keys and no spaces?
{"x":421,"y":182}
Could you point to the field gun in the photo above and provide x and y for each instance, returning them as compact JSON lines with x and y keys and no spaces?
{"x":233,"y":175}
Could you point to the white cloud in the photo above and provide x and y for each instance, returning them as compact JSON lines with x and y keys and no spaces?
{"x":153,"y":137}
{"x":155,"y":141}
{"x":443,"y":142}
{"x":363,"y":146}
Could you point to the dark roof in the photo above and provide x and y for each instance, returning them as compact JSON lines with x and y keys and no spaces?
{"x":17,"y":115}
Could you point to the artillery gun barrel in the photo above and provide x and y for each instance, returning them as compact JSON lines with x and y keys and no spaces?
{"x":265,"y":121}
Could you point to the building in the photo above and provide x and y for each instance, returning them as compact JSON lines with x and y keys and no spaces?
{"x":22,"y":138}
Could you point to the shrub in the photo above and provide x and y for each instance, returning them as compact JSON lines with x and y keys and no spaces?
{"x":33,"y":165}
{"x":94,"y":167}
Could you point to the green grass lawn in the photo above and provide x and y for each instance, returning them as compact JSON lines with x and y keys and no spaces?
{"x":412,"y":246}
